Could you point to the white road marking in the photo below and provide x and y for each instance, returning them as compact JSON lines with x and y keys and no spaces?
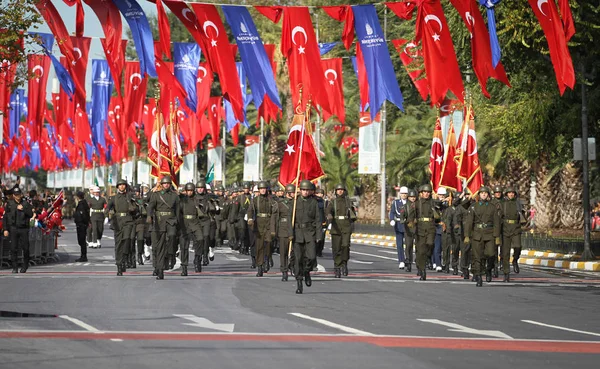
{"x":205,"y":323}
{"x":116,"y":340}
{"x":320,"y":268}
{"x":374,"y":256}
{"x":561,"y":328}
{"x":109,"y":237}
{"x":342,"y":328}
{"x":360,"y":262}
{"x":461,"y":328}
{"x":234,"y":258}
{"x":389,"y":252}
{"x":78,"y":322}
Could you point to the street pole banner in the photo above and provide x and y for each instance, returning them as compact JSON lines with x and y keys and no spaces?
{"x":50,"y":180}
{"x":143,"y":172}
{"x":186,"y":173}
{"x":251,"y":158}
{"x":214,"y":158}
{"x":89,"y":179}
{"x":369,"y":151}
{"x":127,"y":171}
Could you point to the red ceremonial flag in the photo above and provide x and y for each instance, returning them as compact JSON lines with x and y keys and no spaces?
{"x":203,"y":85}
{"x":215,"y":45}
{"x":164,"y":30}
{"x":148,"y":118}
{"x":468,"y":158}
{"x":274,"y":13}
{"x":39,"y":67}
{"x":270,"y":49}
{"x":334,"y":88}
{"x":403,"y":9}
{"x":79,"y":20}
{"x":363,"y":81}
{"x":299,"y":46}
{"x":567,"y":18}
{"x":448,"y":107}
{"x":135,"y":95}
{"x":300,"y":150}
{"x":436,"y":156}
{"x":481,"y":51}
{"x":170,"y":88}
{"x":442,"y":69}
{"x":110,"y":19}
{"x":215,"y":115}
{"x":174,"y":147}
{"x":412,"y":59}
{"x":81,"y":48}
{"x":57,"y":26}
{"x":115,"y":57}
{"x":557,"y":42}
{"x":7,"y":77}
{"x":83,"y":131}
{"x":343,"y":14}
{"x":449,"y":177}
{"x":235,"y":134}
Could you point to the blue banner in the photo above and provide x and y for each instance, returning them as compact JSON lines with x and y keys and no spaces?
{"x":17,"y":99}
{"x":380,"y":71}
{"x":101,"y":92}
{"x":186,"y":57}
{"x":491,"y":16}
{"x":324,"y":48}
{"x":254,"y":57}
{"x":47,"y":42}
{"x":35,"y":159}
{"x":141,"y":33}
{"x":230,"y":120}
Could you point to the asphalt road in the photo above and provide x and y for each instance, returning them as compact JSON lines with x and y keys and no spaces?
{"x":225,"y":317}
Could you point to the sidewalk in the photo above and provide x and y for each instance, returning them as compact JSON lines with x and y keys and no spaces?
{"x":528,"y":257}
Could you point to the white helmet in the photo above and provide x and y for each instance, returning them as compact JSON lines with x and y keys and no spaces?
{"x":442,"y":191}
{"x":404,"y":189}
{"x":94,"y":189}
{"x":255,"y":188}
{"x":207,"y":186}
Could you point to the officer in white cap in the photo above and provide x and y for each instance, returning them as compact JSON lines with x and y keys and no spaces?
{"x":398,"y":216}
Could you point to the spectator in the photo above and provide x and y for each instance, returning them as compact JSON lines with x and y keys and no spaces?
{"x":82,"y":223}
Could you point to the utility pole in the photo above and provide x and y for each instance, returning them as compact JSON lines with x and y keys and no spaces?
{"x":383,"y":130}
{"x":587,"y":250}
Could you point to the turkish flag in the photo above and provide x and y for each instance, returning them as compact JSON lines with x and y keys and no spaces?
{"x":481,"y":49}
{"x":135,"y":96}
{"x":39,"y":67}
{"x":334,"y":88}
{"x":110,"y":19}
{"x":363,"y":80}
{"x":299,"y":46}
{"x":567,"y":18}
{"x":164,"y":29}
{"x":148,"y":118}
{"x":449,"y":176}
{"x":235,"y":135}
{"x":170,"y":88}
{"x":468,"y":158}
{"x":204,"y":83}
{"x":115,"y":57}
{"x":442,"y":69}
{"x":412,"y":59}
{"x":57,"y":26}
{"x":215,"y":116}
{"x":557,"y":42}
{"x":7,"y":76}
{"x":79,"y":20}
{"x":83,"y":131}
{"x":270,"y":49}
{"x":300,"y":149}
{"x":185,"y":127}
{"x":436,"y":156}
{"x":403,"y":9}
{"x":274,"y":13}
{"x":78,"y":67}
{"x":343,"y":14}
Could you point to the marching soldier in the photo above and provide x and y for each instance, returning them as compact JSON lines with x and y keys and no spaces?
{"x":512,"y":217}
{"x":142,"y":230}
{"x":261,"y":221}
{"x":220,"y":216}
{"x":423,"y":215}
{"x":163,"y":208}
{"x":409,"y":232}
{"x":207,"y":210}
{"x":125,"y":209}
{"x":191,"y":229}
{"x":497,"y":202}
{"x":304,"y":234}
{"x":17,"y":214}
{"x":398,"y":215}
{"x":284,"y":209}
{"x":82,"y":223}
{"x":482,"y":229}
{"x":448,"y":237}
{"x":233,"y":209}
{"x":341,"y":214}
{"x":319,"y":195}
{"x":460,"y":256}
{"x":97,"y":204}
{"x":243,"y":200}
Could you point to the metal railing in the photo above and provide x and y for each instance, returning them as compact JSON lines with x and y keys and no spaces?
{"x":41,"y":248}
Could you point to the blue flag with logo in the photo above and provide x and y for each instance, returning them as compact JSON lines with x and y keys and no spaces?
{"x":230,"y":120}
{"x":186,"y":57}
{"x":141,"y":33}
{"x":65,"y":79}
{"x":254,"y":56}
{"x":491,"y":16}
{"x":324,"y":48}
{"x":16,"y":111}
{"x":101,"y":92}
{"x":380,"y":71}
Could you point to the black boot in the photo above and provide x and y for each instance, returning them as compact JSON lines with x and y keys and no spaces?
{"x":140,"y":259}
{"x":507,"y":278}
{"x":161,"y":274}
{"x":119,"y":270}
{"x":515,"y":266}
{"x":184,"y":271}
{"x":284,"y":276}
{"x":266,"y":266}
{"x":299,"y":287}
{"x":271,"y":261}
{"x":123,"y":268}
{"x":479,"y":281}
{"x":307,"y":279}
{"x":455,"y":271}
{"x":447,"y":269}
{"x":488,"y":275}
{"x":337,"y":273}
{"x":132,"y":257}
{"x":155,"y":272}
{"x":466,"y":273}
{"x":198,"y":268}
{"x":419,"y":272}
{"x":408,"y":267}
{"x":253,"y":263}
{"x":423,"y":275}
{"x":345,"y":270}
{"x":260,"y":271}
{"x":82,"y":259}
{"x":15,"y":269}
{"x":173,"y":261}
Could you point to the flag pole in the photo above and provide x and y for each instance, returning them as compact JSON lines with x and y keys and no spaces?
{"x":383,"y":203}
{"x":297,"y":180}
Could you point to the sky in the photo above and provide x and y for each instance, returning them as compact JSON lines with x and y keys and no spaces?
{"x":92,"y":29}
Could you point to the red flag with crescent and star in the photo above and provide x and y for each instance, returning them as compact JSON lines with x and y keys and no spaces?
{"x":469,"y":167}
{"x":334,"y":88}
{"x":204,"y":83}
{"x":81,"y":48}
{"x":57,"y":26}
{"x":436,"y":156}
{"x":215,"y":116}
{"x":344,"y":14}
{"x":135,"y":95}
{"x":412,"y":58}
{"x":39,"y":67}
{"x":441,"y":66}
{"x":402,"y":9}
{"x":164,"y":30}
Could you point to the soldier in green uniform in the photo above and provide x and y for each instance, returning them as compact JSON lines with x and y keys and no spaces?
{"x":261,"y":221}
{"x":125,"y":209}
{"x":97,"y":204}
{"x":232,"y":211}
{"x":304,"y":234}
{"x":191,"y":229}
{"x":220,"y":216}
{"x":142,"y":230}
{"x":340,"y":214}
{"x":482,"y":229}
{"x":284,"y":209}
{"x":423,"y":215}
{"x":206,"y":212}
{"x":243,"y":238}
{"x":448,"y":237}
{"x":497,"y":201}
{"x":319,"y":195}
{"x":163,"y":208}
{"x":409,"y":232}
{"x":512,"y":216}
